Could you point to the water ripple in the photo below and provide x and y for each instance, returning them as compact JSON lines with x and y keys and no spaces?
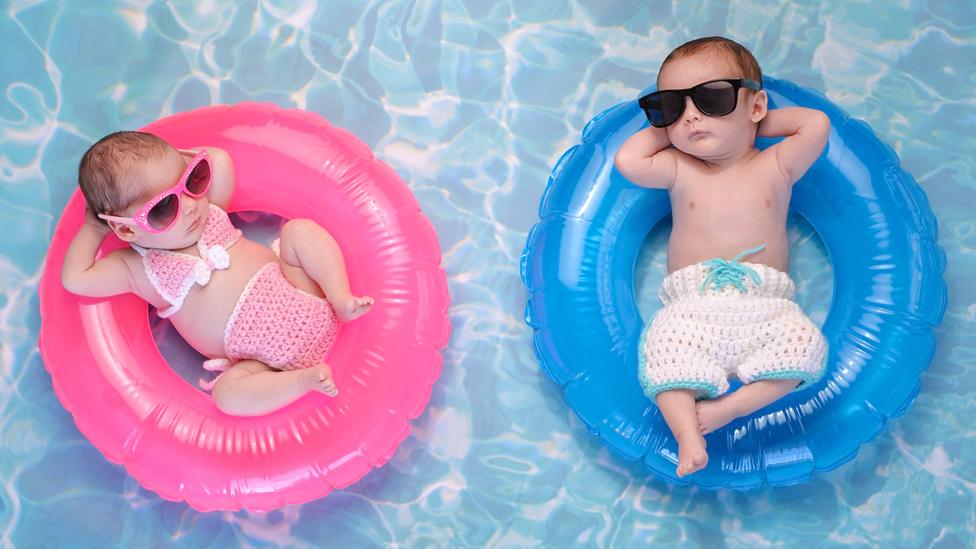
{"x":472,"y":103}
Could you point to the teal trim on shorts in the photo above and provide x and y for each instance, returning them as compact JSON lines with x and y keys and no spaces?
{"x":709,"y":390}
{"x":804,"y":377}
{"x":651,"y":390}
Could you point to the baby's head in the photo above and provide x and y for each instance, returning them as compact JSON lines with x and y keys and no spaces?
{"x":720,"y":134}
{"x":123,"y":171}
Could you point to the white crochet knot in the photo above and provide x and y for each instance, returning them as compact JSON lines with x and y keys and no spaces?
{"x":214,"y":257}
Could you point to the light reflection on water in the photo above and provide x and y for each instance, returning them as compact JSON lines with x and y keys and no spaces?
{"x":472,"y":103}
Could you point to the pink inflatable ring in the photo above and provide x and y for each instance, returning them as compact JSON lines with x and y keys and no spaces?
{"x":108,"y":373}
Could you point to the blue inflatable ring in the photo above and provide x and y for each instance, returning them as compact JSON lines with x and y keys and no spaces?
{"x":880,"y":235}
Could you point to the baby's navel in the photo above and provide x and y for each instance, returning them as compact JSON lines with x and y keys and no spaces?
{"x":769,"y":203}
{"x":691,"y":205}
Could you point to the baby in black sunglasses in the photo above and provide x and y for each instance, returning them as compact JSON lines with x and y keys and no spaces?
{"x":729,"y":201}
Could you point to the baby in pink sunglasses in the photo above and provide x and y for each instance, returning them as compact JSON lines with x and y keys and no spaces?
{"x":264,"y":318}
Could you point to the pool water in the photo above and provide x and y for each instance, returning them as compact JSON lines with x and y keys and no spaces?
{"x":472,"y":102}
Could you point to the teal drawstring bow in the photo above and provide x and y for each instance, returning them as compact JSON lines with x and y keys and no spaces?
{"x":724,"y":273}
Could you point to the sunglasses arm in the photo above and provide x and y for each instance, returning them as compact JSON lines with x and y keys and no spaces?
{"x":123,"y":220}
{"x":221,"y":178}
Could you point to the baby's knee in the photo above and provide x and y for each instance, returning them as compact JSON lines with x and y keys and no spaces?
{"x":223,"y":396}
{"x":229,"y":393}
{"x":298,"y":229}
{"x":300,"y":236}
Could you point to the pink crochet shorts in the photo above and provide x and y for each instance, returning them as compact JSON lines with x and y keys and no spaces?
{"x":278,"y":324}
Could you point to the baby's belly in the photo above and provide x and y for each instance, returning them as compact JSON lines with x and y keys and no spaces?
{"x":204,"y":315}
{"x":687,"y":246}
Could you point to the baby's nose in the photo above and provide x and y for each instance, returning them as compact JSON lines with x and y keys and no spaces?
{"x":691,"y":111}
{"x":189,"y":205}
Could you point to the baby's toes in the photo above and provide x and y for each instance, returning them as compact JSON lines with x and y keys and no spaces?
{"x":329,"y":388}
{"x":355,"y":307}
{"x":326,"y":384}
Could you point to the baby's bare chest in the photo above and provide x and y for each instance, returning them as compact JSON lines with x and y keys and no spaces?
{"x":216,"y":300}
{"x":730,"y":199}
{"x":722,"y":216}
{"x":207,"y":308}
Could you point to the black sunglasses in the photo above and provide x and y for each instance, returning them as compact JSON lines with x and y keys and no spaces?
{"x":713,"y":98}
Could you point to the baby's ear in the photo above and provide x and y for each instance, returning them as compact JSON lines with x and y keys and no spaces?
{"x":125,"y":232}
{"x":759,"y":101}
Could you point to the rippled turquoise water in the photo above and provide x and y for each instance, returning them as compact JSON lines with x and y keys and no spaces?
{"x":472,"y":102}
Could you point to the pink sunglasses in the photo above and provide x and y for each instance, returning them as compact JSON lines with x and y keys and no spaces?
{"x":160,"y":213}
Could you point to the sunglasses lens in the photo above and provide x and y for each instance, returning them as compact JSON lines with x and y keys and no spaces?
{"x":199,"y":179}
{"x":672,"y":105}
{"x":652,"y":109}
{"x":164,"y":212}
{"x":663,"y":108}
{"x":715,"y":98}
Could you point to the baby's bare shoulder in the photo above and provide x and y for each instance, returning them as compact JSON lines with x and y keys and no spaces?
{"x":129,"y":256}
{"x":766,"y":166}
{"x":138,"y":280}
{"x":688,"y":166}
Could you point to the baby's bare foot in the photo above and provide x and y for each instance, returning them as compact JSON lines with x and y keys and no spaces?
{"x":691,"y":453}
{"x":715,"y":414}
{"x":320,"y":379}
{"x":353,"y":307}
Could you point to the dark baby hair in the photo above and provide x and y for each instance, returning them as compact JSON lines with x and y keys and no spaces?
{"x":103,"y":171}
{"x":735,"y":52}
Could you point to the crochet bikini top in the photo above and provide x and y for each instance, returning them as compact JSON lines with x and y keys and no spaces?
{"x":173,"y":274}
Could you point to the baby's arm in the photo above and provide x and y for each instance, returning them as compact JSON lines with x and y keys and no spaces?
{"x":647,"y":159}
{"x":806,"y":132}
{"x":221,"y":174}
{"x":81,"y":274}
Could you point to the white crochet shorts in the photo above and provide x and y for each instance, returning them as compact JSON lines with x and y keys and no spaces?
{"x":723,"y":318}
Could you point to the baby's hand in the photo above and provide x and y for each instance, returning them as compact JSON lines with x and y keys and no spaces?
{"x":94,"y":222}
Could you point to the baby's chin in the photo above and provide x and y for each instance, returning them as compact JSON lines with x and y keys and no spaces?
{"x":706,"y":148}
{"x":702,"y":149}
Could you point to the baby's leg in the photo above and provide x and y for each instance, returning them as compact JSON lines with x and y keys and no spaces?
{"x":791,"y":348}
{"x":309,"y":251}
{"x":715,"y":414}
{"x":678,"y":408}
{"x":252,"y":388}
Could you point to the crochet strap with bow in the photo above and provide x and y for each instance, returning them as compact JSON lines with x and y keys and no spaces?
{"x":173,"y":274}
